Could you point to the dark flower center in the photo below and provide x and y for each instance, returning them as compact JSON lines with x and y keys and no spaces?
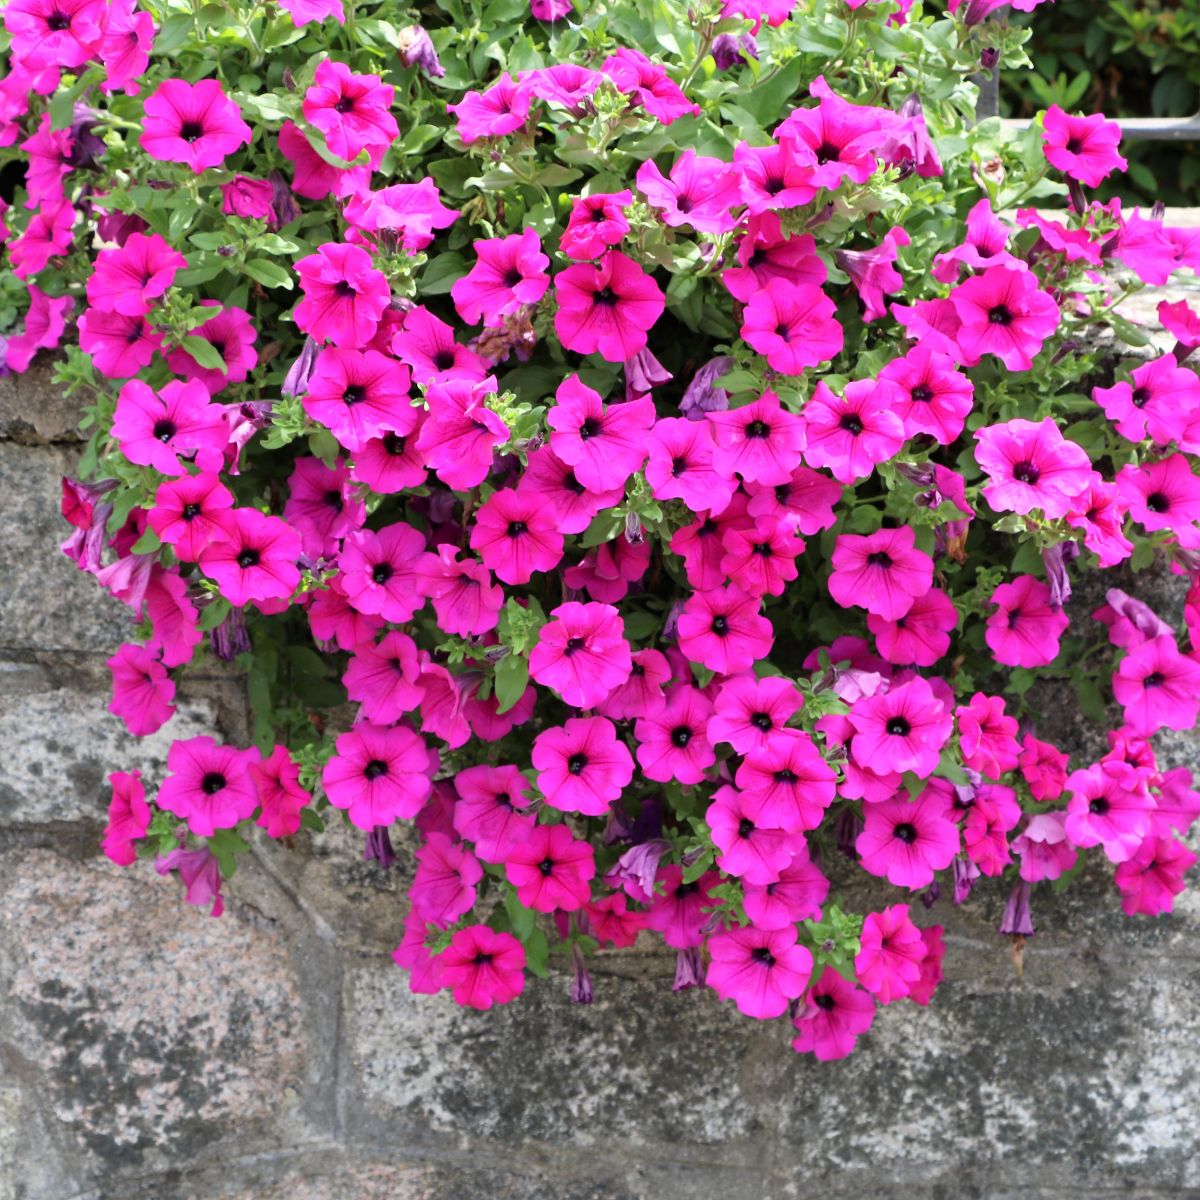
{"x":572,"y":485}
{"x":517,"y":528}
{"x":333,"y":500}
{"x":212,"y":783}
{"x":879,"y":558}
{"x":906,"y":832}
{"x":1099,"y":805}
{"x":762,"y":721}
{"x":512,"y":277}
{"x":1000,"y":315}
{"x":354,"y":394}
{"x":382,"y":572}
{"x":393,"y":443}
{"x":787,"y":775}
{"x":1140,"y":397}
{"x":375,"y":769}
{"x":576,"y":763}
{"x":165,"y":429}
{"x":745,"y":827}
{"x":482,"y":960}
{"x":546,"y":866}
{"x":1154,"y":680}
{"x":248,"y":558}
{"x":851,"y":423}
{"x":345,"y":104}
{"x":678,"y":466}
{"x":922,"y":393}
{"x":1074,"y":145}
{"x":680,"y":736}
{"x":1157,"y":502}
{"x":191,"y":131}
{"x":720,"y":625}
{"x":504,"y":800}
{"x":898,"y":727}
{"x":827,"y":152}
{"x":443,"y":360}
{"x":1013,"y":618}
{"x":573,"y":645}
{"x":590,"y":428}
{"x":763,"y":955}
{"x":605,"y":297}
{"x":190,"y":512}
{"x":1026,"y":472}
{"x":825,"y":1002}
{"x":783,"y":331}
{"x":772,"y":186}
{"x":345,"y":289}
{"x":758,"y":429}
{"x":58,"y":22}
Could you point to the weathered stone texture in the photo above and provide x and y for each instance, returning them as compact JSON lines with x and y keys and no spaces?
{"x":148,"y":1052}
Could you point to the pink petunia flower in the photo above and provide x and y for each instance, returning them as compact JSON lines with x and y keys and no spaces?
{"x":929,"y":394}
{"x":1161,"y":495}
{"x":490,"y":810}
{"x":344,"y":295}
{"x":759,"y":970}
{"x":797,"y":895}
{"x":380,"y":571}
{"x":130,"y":277}
{"x":192,"y":123}
{"x":509,"y":272}
{"x":794,"y":782}
{"x":1158,"y":401}
{"x":277,"y":781}
{"x":835,"y":1014}
{"x":255,"y":560}
{"x":906,"y":841}
{"x":142,"y":690}
{"x":1110,"y":805}
{"x":607,"y":308}
{"x":648,"y":82}
{"x":596,"y":223}
{"x":322,"y":506}
{"x":443,"y":888}
{"x":582,"y":765}
{"x":764,"y":253}
{"x":581,"y":653}
{"x":351,"y":111}
{"x":987,"y":736}
{"x":761,"y":441}
{"x":119,"y":346}
{"x":889,"y":962}
{"x":155,"y":428}
{"x":1083,"y":148}
{"x":49,"y":33}
{"x":724,"y":630}
{"x":1153,"y":877}
{"x":1043,"y":848}
{"x":1003,"y":312}
{"x":502,"y":108}
{"x":312,"y":176}
{"x":1031,"y":465}
{"x":699,"y":193}
{"x":921,"y":636}
{"x":681,"y":465}
{"x":516,"y":536}
{"x":128,"y":818}
{"x":465,"y":598}
{"x":482,"y":967}
{"x":882,"y":572}
{"x":673,"y":743}
{"x":850,"y":434}
{"x":748,"y":711}
{"x":902,"y":729}
{"x":1158,"y":687}
{"x":874,"y":274}
{"x":1025,"y":628}
{"x":230,"y":333}
{"x":551,"y":869}
{"x":378,"y":774}
{"x":604,"y":445}
{"x":384,"y":678}
{"x":750,"y":849}
{"x":209,"y":786}
{"x":200,"y":873}
{"x":792,"y":325}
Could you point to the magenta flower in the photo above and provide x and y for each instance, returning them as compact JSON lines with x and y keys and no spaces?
{"x":764,"y":253}
{"x":200,"y":873}
{"x":45,"y":324}
{"x":380,"y":571}
{"x":758,"y":969}
{"x":501,"y":109}
{"x":1158,"y":687}
{"x":1025,"y":628}
{"x":551,"y":870}
{"x":850,"y":434}
{"x":840,"y":138}
{"x":699,"y":193}
{"x":776,"y":176}
{"x":516,"y":536}
{"x":255,"y":560}
{"x":466,"y":599}
{"x":482,"y":967}
{"x":792,"y":325}
{"x":232,"y":336}
{"x":921,"y":636}
{"x":1153,"y":877}
{"x":344,"y":295}
{"x":673,"y":743}
{"x":322,"y":506}
{"x":351,"y":111}
{"x":410,"y":212}
{"x":906,"y":841}
{"x":1159,"y":401}
{"x":582,"y":765}
{"x":761,"y":441}
{"x":312,"y":176}
{"x":1003,"y":312}
{"x":277,"y":781}
{"x":804,"y":502}
{"x":749,"y":848}
{"x":192,"y":123}
{"x":378,"y":775}
{"x":384,"y":678}
{"x":390,"y":463}
{"x":612,"y":922}
{"x":128,"y":818}
{"x":443,"y":888}
{"x":1110,"y":806}
{"x":607,"y":308}
{"x":642,"y":693}
{"x":761,"y":560}
{"x":581,"y":653}
{"x":129,"y":278}
{"x":872,"y":272}
{"x":797,"y":895}
{"x":173,"y":618}
{"x":928,"y":394}
{"x":461,"y":434}
{"x":902,"y":729}
{"x":243,"y":196}
{"x":603,"y":445}
{"x":508,"y":273}
{"x":681,"y":465}
{"x":119,"y":346}
{"x":490,"y":810}
{"x":748,"y":711}
{"x":882,"y":572}
{"x":987,"y":736}
{"x":1161,"y":495}
{"x":1043,"y":848}
{"x":142,"y":690}
{"x":793,"y":781}
{"x":681,"y":910}
{"x":724,"y":630}
{"x":209,"y":786}
{"x":125,"y":47}
{"x":156,"y":428}
{"x":1043,"y":767}
{"x":834,"y":1015}
{"x":648,"y":82}
{"x":554,"y":484}
{"x":50,"y":33}
{"x":596,"y":223}
{"x":1083,"y":148}
{"x":1031,"y":465}
{"x":889,"y":963}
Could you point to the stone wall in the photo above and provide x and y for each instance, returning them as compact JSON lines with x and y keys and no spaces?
{"x":148,"y":1052}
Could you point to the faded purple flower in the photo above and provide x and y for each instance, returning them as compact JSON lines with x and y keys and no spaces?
{"x":702,"y":394}
{"x":1018,"y":919}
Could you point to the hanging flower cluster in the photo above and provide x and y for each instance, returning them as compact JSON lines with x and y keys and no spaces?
{"x":648,"y":459}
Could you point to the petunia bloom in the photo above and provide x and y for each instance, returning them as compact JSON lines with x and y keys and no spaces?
{"x":192,"y":123}
{"x":607,"y":308}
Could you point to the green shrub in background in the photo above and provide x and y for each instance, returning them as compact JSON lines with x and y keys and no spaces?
{"x":1125,"y":58}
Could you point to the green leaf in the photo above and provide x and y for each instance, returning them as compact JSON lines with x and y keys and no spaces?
{"x":269,"y":274}
{"x":521,"y":920}
{"x":442,"y":274}
{"x":226,"y":845}
{"x":147,"y":543}
{"x":1130,"y":334}
{"x":214,"y":613}
{"x":310,"y":820}
{"x":1089,"y":699}
{"x":512,"y":678}
{"x":205,"y":353}
{"x":537,"y":953}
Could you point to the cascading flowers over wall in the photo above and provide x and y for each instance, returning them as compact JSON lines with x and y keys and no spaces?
{"x":645,"y":450}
